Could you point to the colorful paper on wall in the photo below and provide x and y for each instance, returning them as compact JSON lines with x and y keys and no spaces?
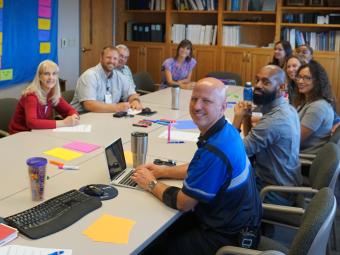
{"x":44,"y":24}
{"x":82,"y":147}
{"x":44,"y":35}
{"x":110,"y":229}
{"x":44,"y":12}
{"x":62,"y":153}
{"x":45,"y":2}
{"x":6,"y":74}
{"x":45,"y":48}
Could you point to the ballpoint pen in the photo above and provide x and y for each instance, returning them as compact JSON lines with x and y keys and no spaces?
{"x":57,"y":163}
{"x":176,"y":142}
{"x":68,"y":167}
{"x":56,"y":253}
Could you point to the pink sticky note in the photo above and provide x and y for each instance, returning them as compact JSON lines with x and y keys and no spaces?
{"x":80,"y":146}
{"x":44,"y":12}
{"x":45,"y":2}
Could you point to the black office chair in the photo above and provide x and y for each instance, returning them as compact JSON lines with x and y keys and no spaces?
{"x":7,"y":109}
{"x":68,"y":95}
{"x":144,"y":83}
{"x":312,"y":235}
{"x":227,"y":78}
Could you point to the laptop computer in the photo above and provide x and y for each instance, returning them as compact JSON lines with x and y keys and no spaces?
{"x":119,"y":174}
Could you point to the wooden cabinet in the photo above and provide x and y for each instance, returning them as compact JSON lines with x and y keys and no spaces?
{"x":147,"y":57}
{"x":245,"y":62}
{"x":258,"y":28}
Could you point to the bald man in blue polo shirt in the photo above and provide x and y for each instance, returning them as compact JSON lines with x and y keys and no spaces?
{"x":220,"y":202}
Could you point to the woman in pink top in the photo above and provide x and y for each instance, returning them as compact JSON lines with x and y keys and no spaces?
{"x":39,"y":99}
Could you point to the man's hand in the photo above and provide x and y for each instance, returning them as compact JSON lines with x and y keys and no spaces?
{"x":121,"y":107}
{"x":135,"y":104}
{"x":142,"y":176}
{"x":242,"y":108}
{"x":156,"y":170}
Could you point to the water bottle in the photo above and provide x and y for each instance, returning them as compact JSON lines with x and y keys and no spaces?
{"x":175,"y":97}
{"x":248,"y":92}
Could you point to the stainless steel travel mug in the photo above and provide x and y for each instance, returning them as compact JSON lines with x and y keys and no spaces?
{"x":139,"y":147}
{"x":175,"y":97}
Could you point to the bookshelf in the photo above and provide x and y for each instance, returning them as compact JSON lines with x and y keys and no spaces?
{"x":258,"y":29}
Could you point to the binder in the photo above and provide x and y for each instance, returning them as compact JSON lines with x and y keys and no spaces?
{"x":157,"y":32}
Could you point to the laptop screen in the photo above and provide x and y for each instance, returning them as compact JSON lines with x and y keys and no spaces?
{"x":115,"y":158}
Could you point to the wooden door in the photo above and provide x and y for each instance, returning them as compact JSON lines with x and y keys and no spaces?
{"x":256,"y":59}
{"x":135,"y":58}
{"x":206,"y":61}
{"x":234,"y":60}
{"x":96,"y":26}
{"x":330,"y":61}
{"x":154,"y":57}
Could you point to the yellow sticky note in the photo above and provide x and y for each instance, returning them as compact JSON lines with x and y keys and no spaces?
{"x":6,"y":74}
{"x":44,"y":24}
{"x":110,"y":229}
{"x":1,"y":3}
{"x":64,"y":154}
{"x":45,"y":47}
{"x":128,"y":158}
{"x":1,"y":37}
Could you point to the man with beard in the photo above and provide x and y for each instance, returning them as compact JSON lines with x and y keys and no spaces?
{"x":275,"y":140}
{"x":102,"y":88}
{"x":220,"y":198}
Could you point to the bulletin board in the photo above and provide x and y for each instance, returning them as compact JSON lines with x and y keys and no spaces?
{"x":28,"y":35}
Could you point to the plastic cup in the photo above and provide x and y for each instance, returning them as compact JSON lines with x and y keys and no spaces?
{"x":36,"y":174}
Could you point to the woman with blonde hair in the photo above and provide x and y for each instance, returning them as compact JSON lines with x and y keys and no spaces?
{"x":39,"y":99}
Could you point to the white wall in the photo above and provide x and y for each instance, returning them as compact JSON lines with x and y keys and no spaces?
{"x":68,"y":29}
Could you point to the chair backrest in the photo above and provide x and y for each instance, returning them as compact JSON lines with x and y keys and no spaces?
{"x":144,"y":82}
{"x":313,"y":234}
{"x":7,"y":109}
{"x":324,"y":170}
{"x":227,"y":78}
{"x":68,"y":95}
{"x":335,"y":138}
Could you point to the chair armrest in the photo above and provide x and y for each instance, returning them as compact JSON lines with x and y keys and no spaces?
{"x":237,"y":251}
{"x":143,"y":92}
{"x":283,"y":209}
{"x":307,"y":156}
{"x":287,"y":189}
{"x":157,"y":86}
{"x":3,"y":133}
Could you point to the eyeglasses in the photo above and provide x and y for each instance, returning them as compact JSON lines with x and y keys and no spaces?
{"x":304,"y":78}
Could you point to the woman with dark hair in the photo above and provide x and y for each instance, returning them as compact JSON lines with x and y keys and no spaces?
{"x":316,"y":103}
{"x":282,"y":51}
{"x":178,"y":70}
{"x":292,"y":65}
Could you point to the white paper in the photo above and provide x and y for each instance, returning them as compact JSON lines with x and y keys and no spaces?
{"x":133,"y":111}
{"x":180,"y":136}
{"x":83,"y":128}
{"x":26,"y":250}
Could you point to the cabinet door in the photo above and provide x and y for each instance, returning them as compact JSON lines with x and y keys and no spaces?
{"x":206,"y":62}
{"x":330,"y":61}
{"x":135,"y":59}
{"x":154,"y":58}
{"x":232,"y":60}
{"x":255,"y":60}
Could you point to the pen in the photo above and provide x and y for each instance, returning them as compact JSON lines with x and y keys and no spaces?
{"x":68,"y":167}
{"x":169,"y":130}
{"x":53,"y":162}
{"x":56,"y":253}
{"x":176,"y":142}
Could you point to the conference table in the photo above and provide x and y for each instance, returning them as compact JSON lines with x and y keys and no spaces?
{"x":151,"y":216}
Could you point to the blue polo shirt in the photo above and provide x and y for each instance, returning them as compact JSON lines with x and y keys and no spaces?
{"x":239,"y":206}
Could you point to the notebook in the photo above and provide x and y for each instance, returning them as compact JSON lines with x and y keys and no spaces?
{"x":116,"y":164}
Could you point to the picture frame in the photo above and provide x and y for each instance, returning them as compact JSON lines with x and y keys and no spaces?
{"x":315,"y":2}
{"x":295,"y":2}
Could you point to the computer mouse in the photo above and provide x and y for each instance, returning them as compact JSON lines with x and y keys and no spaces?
{"x":93,"y":190}
{"x":146,"y":110}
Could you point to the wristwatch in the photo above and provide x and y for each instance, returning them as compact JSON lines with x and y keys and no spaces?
{"x":152,"y":185}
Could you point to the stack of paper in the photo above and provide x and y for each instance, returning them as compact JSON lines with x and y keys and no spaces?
{"x":7,"y":234}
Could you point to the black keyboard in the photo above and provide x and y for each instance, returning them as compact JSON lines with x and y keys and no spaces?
{"x":54,"y":214}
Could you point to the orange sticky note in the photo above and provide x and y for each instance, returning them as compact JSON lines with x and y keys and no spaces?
{"x":110,"y":229}
{"x":128,"y":158}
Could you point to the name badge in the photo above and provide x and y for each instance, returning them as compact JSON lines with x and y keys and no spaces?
{"x":108,"y":99}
